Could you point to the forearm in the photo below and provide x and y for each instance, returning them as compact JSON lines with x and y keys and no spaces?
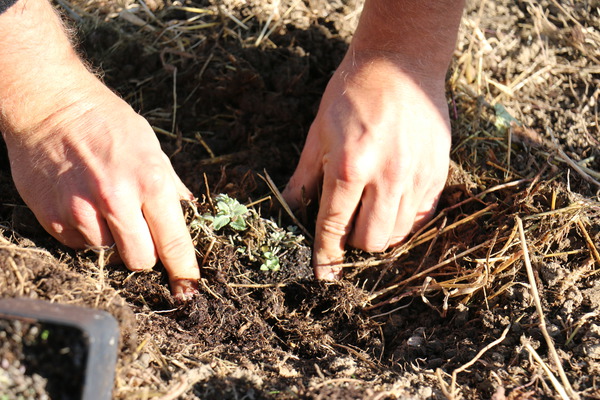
{"x":36,"y":59}
{"x":5,"y":5}
{"x":419,"y":34}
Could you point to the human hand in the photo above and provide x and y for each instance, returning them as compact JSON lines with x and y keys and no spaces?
{"x":88,"y":166}
{"x":94,"y":174}
{"x":380,"y":146}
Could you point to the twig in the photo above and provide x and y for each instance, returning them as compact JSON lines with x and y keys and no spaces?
{"x":173,"y":135}
{"x":569,"y":161}
{"x":174,"y":122}
{"x":427,"y":271}
{"x":590,"y":243}
{"x":199,"y":76}
{"x":542,"y":322}
{"x":74,"y":15}
{"x":284,"y":204}
{"x":559,"y":388}
{"x":451,"y":393}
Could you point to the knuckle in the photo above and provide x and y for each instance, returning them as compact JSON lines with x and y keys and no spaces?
{"x":143,"y":263}
{"x":370,"y":245}
{"x":400,"y":166}
{"x":82,"y":212}
{"x":333,"y":229}
{"x":111,"y":195}
{"x":175,"y":248}
{"x":155,"y":178}
{"x":351,"y":170}
{"x":350,"y":166}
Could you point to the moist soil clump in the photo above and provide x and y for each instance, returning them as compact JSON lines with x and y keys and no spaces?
{"x":231,"y":89}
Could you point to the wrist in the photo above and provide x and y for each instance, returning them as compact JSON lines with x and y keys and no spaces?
{"x":418,"y":36}
{"x":35,"y":76}
{"x":376,"y":70}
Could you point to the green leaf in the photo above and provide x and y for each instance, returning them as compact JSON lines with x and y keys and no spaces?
{"x":238,"y":224}
{"x":503,"y":118}
{"x":223,"y":207}
{"x":220,"y":221}
{"x":239,"y":209}
{"x":270,"y":262}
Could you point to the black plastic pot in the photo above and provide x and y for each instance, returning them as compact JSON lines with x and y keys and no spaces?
{"x":99,"y":331}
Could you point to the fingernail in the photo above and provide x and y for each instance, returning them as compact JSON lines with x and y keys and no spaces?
{"x":184,"y":290}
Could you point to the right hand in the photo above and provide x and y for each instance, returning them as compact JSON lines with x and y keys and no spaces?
{"x":94,"y":174}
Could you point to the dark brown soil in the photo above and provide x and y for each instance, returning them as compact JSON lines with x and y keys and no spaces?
{"x":399,"y":324}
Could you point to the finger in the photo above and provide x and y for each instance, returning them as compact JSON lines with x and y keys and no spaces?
{"x":67,"y":235}
{"x":426,"y":210}
{"x":304,"y":182}
{"x":339,"y":201}
{"x":171,"y":237}
{"x":94,"y":229}
{"x":130,"y":232}
{"x":57,"y":225}
{"x":182,"y":189}
{"x":88,"y":220}
{"x":411,"y":216}
{"x":376,"y":219}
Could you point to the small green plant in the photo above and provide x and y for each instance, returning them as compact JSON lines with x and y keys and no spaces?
{"x":504,"y":119}
{"x":229,"y":213}
{"x":261,"y":241}
{"x":270,"y":261}
{"x":45,"y":334}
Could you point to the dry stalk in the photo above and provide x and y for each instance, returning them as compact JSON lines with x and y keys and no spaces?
{"x":431,"y":234}
{"x":427,"y":271}
{"x":555,"y":382}
{"x":590,"y":243}
{"x":156,"y":129}
{"x":580,"y":323}
{"x":542,"y":322}
{"x":186,"y":382}
{"x":569,"y":161}
{"x":257,"y":285}
{"x":450,"y":391}
{"x":13,"y":266}
{"x":284,"y":204}
{"x":418,"y":239}
{"x":263,"y":32}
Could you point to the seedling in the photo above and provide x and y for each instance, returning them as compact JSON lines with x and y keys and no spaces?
{"x":503,"y":118}
{"x":270,"y":262}
{"x":259,"y":240}
{"x":229,"y":213}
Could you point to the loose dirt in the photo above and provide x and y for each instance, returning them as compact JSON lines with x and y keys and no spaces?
{"x":231,"y":88}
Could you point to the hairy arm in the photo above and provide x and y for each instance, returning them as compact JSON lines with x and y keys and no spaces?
{"x":89,"y":167}
{"x":380,"y":141}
